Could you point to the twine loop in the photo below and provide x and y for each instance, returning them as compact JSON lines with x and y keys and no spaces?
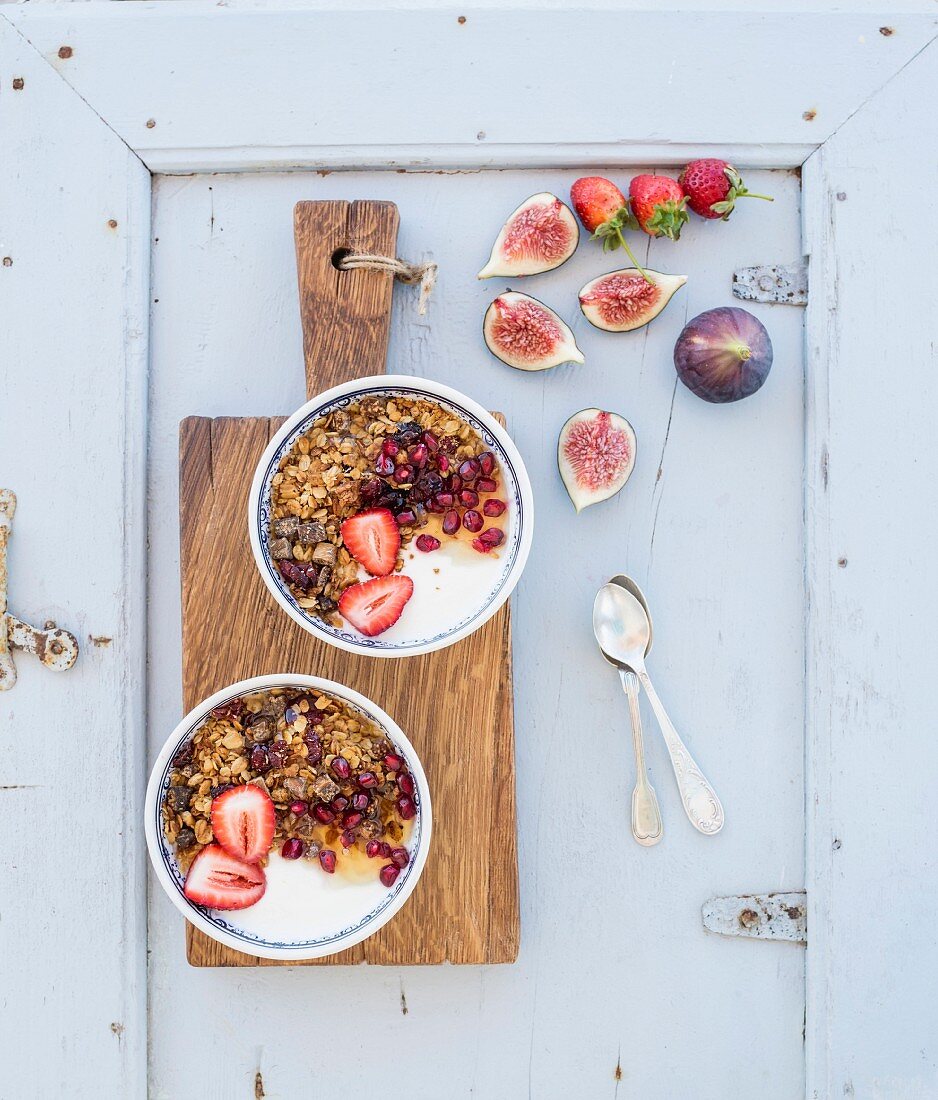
{"x":424,"y":274}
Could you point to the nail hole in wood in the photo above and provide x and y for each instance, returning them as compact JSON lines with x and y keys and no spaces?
{"x":65,"y":52}
{"x":338,"y":256}
{"x":18,"y":83}
{"x":886,"y":31}
{"x":7,"y":261}
{"x":151,"y":122}
{"x":810,"y":116}
{"x":461,"y":20}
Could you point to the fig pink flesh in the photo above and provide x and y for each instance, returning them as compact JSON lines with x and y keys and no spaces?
{"x":537,"y":233}
{"x":524,"y":330}
{"x":621,"y":298}
{"x":597,"y":452}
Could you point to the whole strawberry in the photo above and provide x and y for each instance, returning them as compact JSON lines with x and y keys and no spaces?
{"x":658,"y":205}
{"x":604,"y":212}
{"x":712,"y":187}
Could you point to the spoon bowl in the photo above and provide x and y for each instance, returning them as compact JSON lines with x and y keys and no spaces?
{"x":621,"y":626}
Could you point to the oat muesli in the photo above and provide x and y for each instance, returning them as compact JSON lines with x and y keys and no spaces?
{"x":292,"y":770}
{"x":362,"y":482}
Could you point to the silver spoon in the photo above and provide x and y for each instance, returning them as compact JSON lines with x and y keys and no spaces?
{"x":646,"y":816}
{"x":623,"y":628}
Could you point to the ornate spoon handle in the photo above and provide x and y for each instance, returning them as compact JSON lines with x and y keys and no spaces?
{"x":646,"y":816}
{"x":700,"y":799}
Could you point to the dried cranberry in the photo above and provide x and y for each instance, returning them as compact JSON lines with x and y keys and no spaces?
{"x":494,"y":507}
{"x":449,"y":443}
{"x":418,"y":455}
{"x":183,"y":755}
{"x":260,"y":760}
{"x":384,"y":465}
{"x":406,"y":782}
{"x":370,"y":490}
{"x":407,"y":518}
{"x":486,"y":485}
{"x":314,"y":745}
{"x":400,"y":857}
{"x":340,"y":767}
{"x":368,"y":780}
{"x":298,"y":807}
{"x":451,"y":522}
{"x":361,"y":801}
{"x":472,"y":521}
{"x":278,"y":755}
{"x":347,"y":839}
{"x":494,"y":536}
{"x":352,"y":819}
{"x":406,"y":808}
{"x":470,"y":470}
{"x":444,"y":500}
{"x":393,"y":762}
{"x":404,"y":474}
{"x":390,"y":447}
{"x":327,"y":860}
{"x":234,"y":708}
{"x":468,"y":498}
{"x":392,"y":499}
{"x":292,"y":848}
{"x":431,"y":441}
{"x":373,"y":849}
{"x":339,"y":804}
{"x":487,"y":462}
{"x":427,"y":544}
{"x":324,"y":814}
{"x":388,"y":874}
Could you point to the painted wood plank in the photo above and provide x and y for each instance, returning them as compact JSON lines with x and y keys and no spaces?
{"x":614,"y":957}
{"x":195,"y":86}
{"x":73,"y":313}
{"x":872,"y":459}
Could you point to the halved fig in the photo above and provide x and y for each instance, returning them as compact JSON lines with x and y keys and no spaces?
{"x":596,"y":455}
{"x":526,"y":334}
{"x":539,"y":236}
{"x":624,"y":300}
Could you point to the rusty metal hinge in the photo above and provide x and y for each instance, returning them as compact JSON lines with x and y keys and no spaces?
{"x":786,"y":284}
{"x":759,"y":916}
{"x":57,"y":649}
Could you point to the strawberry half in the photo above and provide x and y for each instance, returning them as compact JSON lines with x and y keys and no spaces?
{"x":219,"y":881}
{"x":373,"y":539}
{"x":658,"y":203}
{"x":604,"y":211}
{"x":712,"y":187}
{"x":373,"y":606}
{"x":243,"y":821}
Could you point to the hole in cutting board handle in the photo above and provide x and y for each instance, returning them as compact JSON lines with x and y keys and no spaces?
{"x":338,"y":256}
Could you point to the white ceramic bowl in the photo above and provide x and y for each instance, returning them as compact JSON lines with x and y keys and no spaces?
{"x":443,"y":609}
{"x":345,"y":913}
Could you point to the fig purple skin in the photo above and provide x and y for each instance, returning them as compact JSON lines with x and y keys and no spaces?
{"x":723,"y":355}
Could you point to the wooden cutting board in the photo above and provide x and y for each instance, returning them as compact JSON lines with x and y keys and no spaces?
{"x":455,"y":705}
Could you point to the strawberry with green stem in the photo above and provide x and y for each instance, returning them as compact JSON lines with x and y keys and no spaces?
{"x":712,"y":187}
{"x":604,"y":212}
{"x":658,"y":205}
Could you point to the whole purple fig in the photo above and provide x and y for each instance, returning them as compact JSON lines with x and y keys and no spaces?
{"x":723,"y":355}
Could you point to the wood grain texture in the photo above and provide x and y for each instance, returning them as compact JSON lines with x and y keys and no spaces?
{"x":465,"y":908}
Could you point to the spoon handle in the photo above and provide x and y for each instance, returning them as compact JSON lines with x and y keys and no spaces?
{"x":646,"y":816}
{"x":700,"y":799}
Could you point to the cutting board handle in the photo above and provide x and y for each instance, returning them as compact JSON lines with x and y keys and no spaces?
{"x":345,"y":315}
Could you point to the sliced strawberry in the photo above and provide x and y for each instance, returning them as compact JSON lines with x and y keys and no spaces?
{"x":373,"y":538}
{"x":220,"y":881}
{"x":373,"y":606}
{"x":243,"y":822}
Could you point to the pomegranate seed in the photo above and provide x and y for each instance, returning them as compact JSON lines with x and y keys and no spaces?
{"x":442,"y":463}
{"x":347,"y":839}
{"x":403,"y":475}
{"x":478,"y":544}
{"x":385,"y":850}
{"x":361,"y":801}
{"x":292,"y":848}
{"x":427,"y":544}
{"x":400,"y":857}
{"x":352,"y":819}
{"x":494,"y":536}
{"x":324,"y":814}
{"x":454,"y":481}
{"x":314,"y":745}
{"x":389,"y":447}
{"x":419,"y":455}
{"x":406,"y":808}
{"x":431,"y":441}
{"x":472,"y":521}
{"x":260,"y":761}
{"x":407,"y":518}
{"x":393,"y":762}
{"x":373,"y":849}
{"x":299,"y":807}
{"x":493,"y":507}
{"x":384,"y":465}
{"x":339,"y":804}
{"x":327,"y":860}
{"x":444,"y":500}
{"x":486,"y":485}
{"x":470,"y":470}
{"x":367,"y":780}
{"x":432,"y":506}
{"x":451,"y":522}
{"x":406,"y":782}
{"x":468,"y":498}
{"x":388,"y":874}
{"x":487,"y":462}
{"x":340,"y":766}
